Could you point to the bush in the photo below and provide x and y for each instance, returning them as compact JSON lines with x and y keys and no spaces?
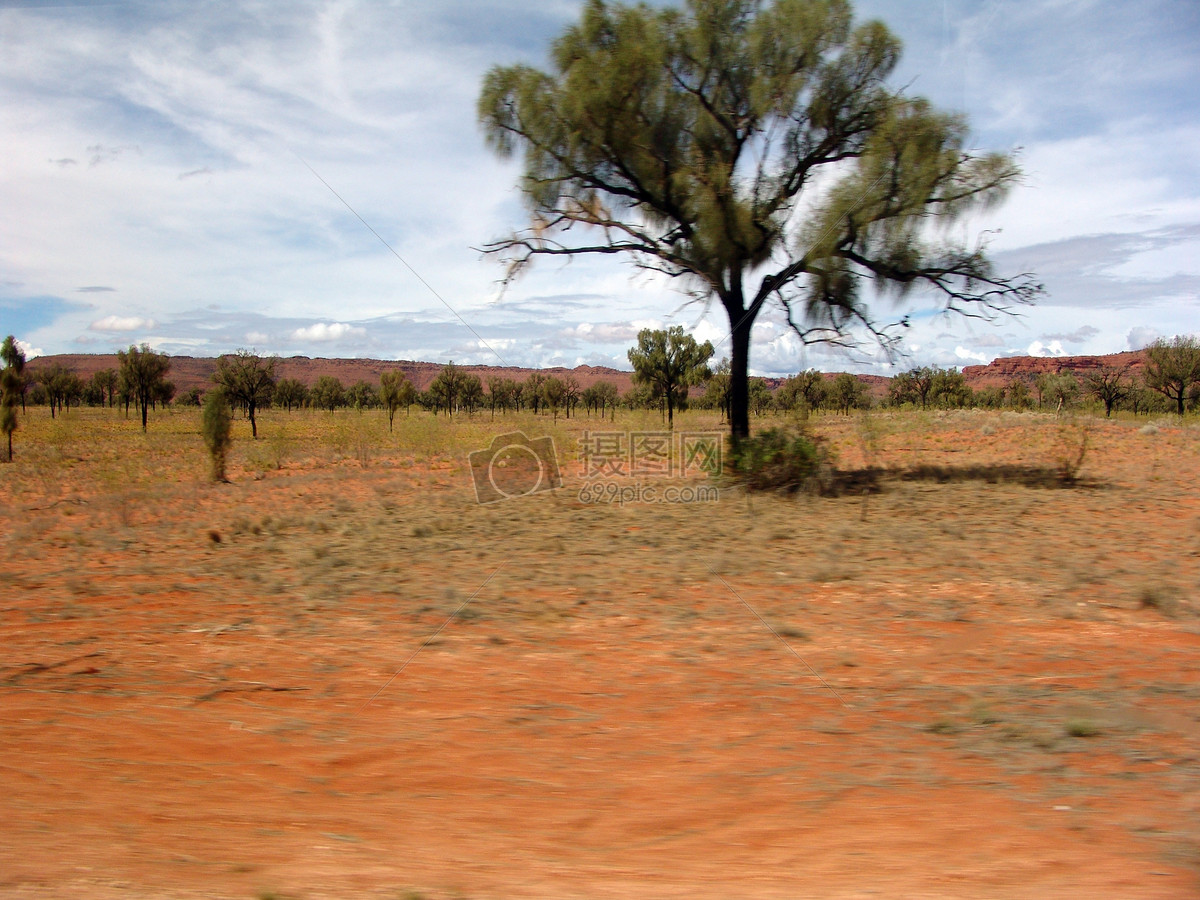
{"x":216,"y":426}
{"x":780,"y":459}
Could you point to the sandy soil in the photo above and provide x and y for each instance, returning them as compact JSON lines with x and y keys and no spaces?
{"x":344,"y":678}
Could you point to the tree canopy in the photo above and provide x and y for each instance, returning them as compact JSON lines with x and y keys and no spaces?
{"x":753,"y":150}
{"x":248,"y":380}
{"x":1173,"y":368}
{"x":669,"y":362}
{"x":11,"y":387}
{"x":143,"y":377}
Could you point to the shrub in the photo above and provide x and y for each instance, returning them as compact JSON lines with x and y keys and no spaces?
{"x":780,"y":459}
{"x":216,"y":424}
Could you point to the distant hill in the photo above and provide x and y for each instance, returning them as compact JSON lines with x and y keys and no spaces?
{"x":196,"y":371}
{"x":1000,"y":372}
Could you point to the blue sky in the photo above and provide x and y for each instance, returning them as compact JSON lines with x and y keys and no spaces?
{"x":157,"y":179}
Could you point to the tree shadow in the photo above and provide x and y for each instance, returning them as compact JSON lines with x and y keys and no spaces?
{"x":872,"y":480}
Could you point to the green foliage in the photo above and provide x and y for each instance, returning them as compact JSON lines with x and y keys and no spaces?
{"x":327,"y":393}
{"x":1017,"y":394}
{"x":1108,"y":384}
{"x":1173,"y":368}
{"x":289,"y":393}
{"x":847,"y":393}
{"x":669,"y":362}
{"x":912,"y":387}
{"x":142,"y":377}
{"x":778,"y":459}
{"x":248,"y":381}
{"x":601,"y":396}
{"x":395,"y":390}
{"x":11,"y":388}
{"x":453,"y":388}
{"x":684,"y":139}
{"x":362,"y":395}
{"x":106,"y":381}
{"x":216,"y":426}
{"x":62,"y":387}
{"x":531,"y":391}
{"x":948,"y":389}
{"x":803,"y":392}
{"x":760,"y":397}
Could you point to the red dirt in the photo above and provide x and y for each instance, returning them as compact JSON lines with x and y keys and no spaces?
{"x":319,"y":699}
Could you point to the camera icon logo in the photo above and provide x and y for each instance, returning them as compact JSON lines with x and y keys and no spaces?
{"x":514,"y":466}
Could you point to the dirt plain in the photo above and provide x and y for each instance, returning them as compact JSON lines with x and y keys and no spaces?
{"x":340,"y":676}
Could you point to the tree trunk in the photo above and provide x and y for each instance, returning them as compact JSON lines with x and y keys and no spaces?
{"x":739,"y":375}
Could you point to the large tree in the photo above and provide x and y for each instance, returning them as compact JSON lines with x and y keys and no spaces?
{"x":142,"y":377}
{"x":248,"y":380}
{"x":669,"y":362}
{"x":1173,"y":368}
{"x":753,"y":150}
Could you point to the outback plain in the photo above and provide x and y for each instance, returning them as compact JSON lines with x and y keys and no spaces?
{"x":973,"y":671}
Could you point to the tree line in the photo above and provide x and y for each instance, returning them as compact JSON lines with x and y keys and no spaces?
{"x":670,"y":373}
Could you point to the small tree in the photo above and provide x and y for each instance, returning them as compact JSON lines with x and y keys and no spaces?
{"x":106,"y":381}
{"x":716,"y":390}
{"x":1061,"y":389}
{"x":193,"y":396}
{"x":56,"y":381}
{"x":531,"y":391}
{"x":289,"y":392}
{"x":913,"y":386}
{"x":1017,"y":394}
{"x":554,"y":394}
{"x":670,"y":362}
{"x":327,"y":393}
{"x":1173,"y":367}
{"x":248,"y":380}
{"x":847,"y":393}
{"x":216,"y":425}
{"x":446,"y":390}
{"x":761,"y":398}
{"x":362,"y":395}
{"x":1109,"y":385}
{"x":395,"y":390}
{"x":948,"y":389}
{"x":142,"y":377}
{"x":11,"y":387}
{"x":470,"y":395}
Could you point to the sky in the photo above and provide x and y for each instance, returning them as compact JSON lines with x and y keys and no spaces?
{"x":309,"y":178}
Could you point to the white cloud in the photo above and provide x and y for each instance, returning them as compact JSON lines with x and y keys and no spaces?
{"x":1054,"y":348}
{"x":963,"y":353}
{"x":30,"y":351}
{"x":1140,"y":337}
{"x":324,"y":332}
{"x":122,"y":323}
{"x":603,"y":332}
